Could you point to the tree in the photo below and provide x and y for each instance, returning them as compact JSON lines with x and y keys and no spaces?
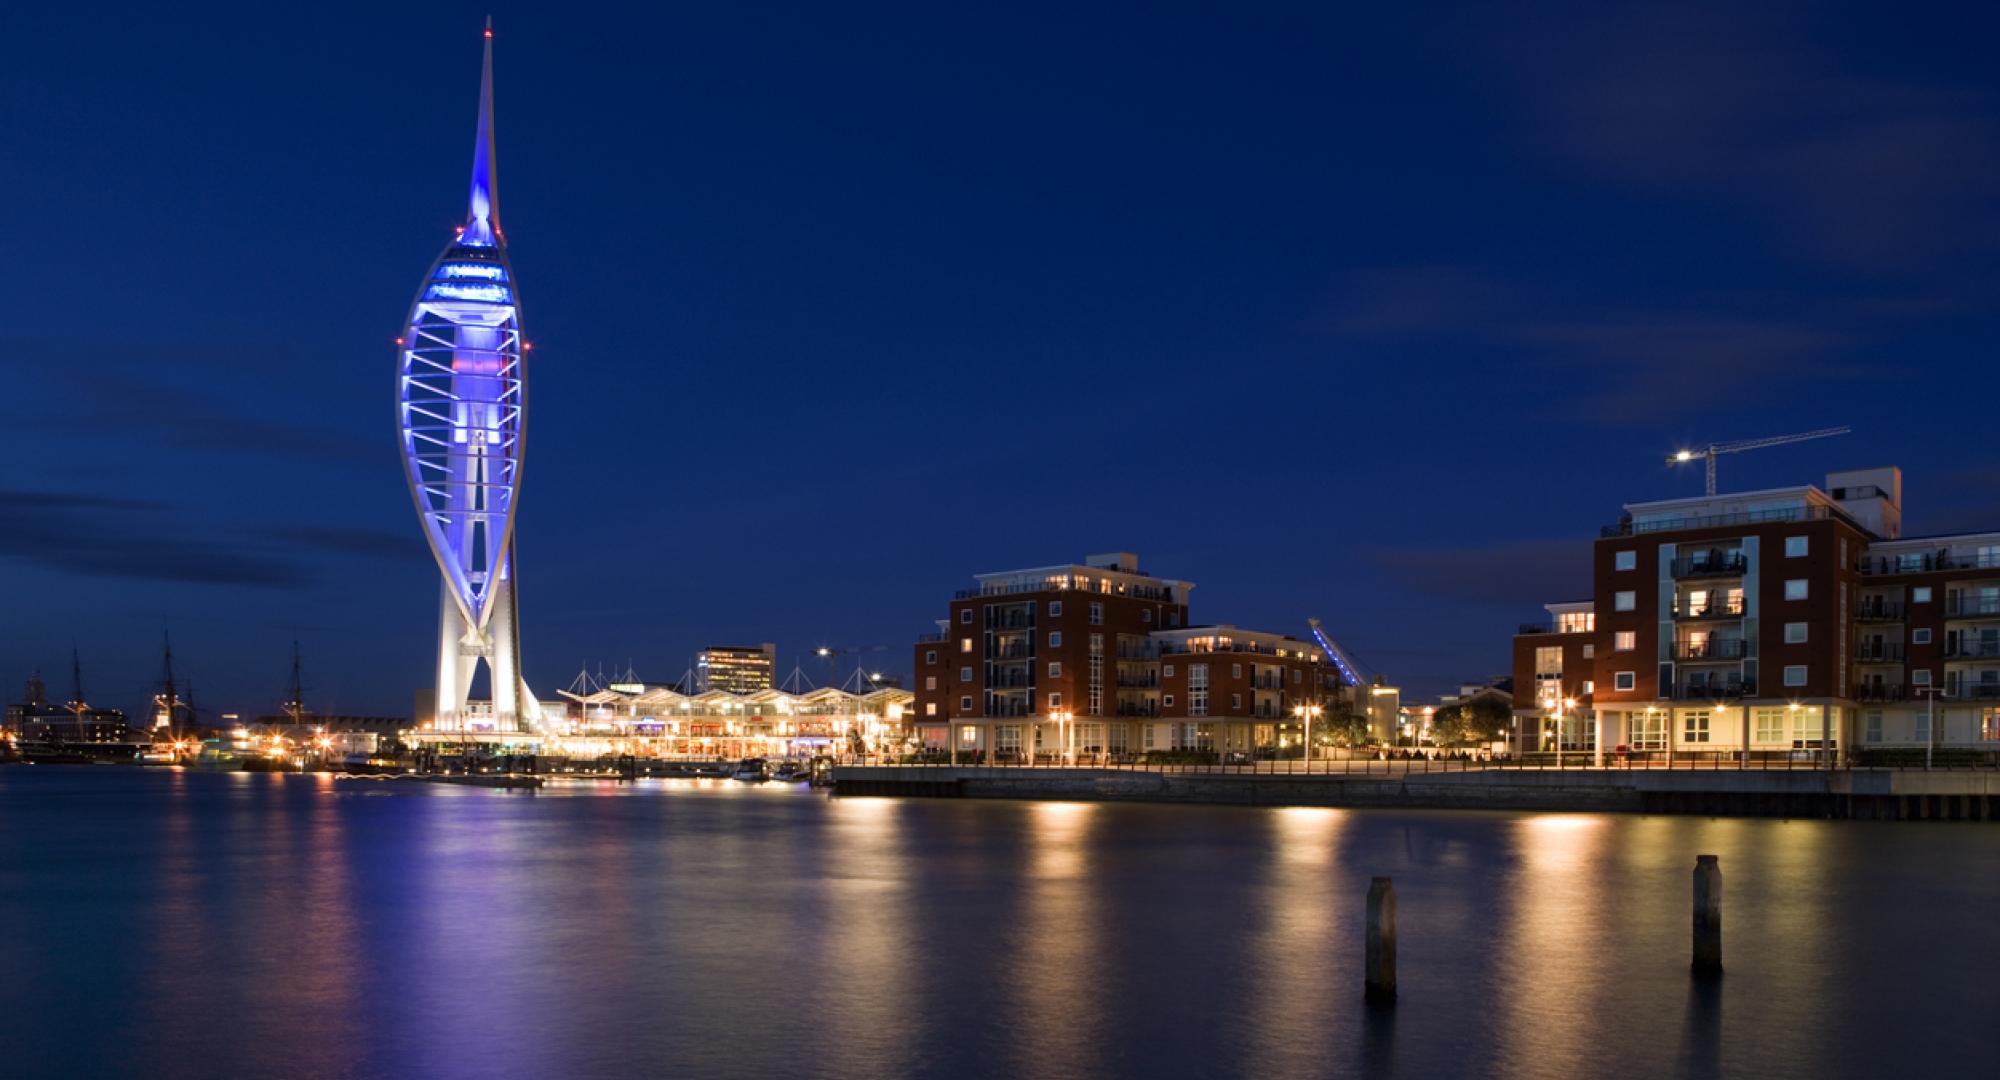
{"x":1470,"y":723}
{"x":1342,"y":729}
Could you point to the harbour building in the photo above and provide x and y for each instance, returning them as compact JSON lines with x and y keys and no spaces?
{"x":1099,"y":659}
{"x":1794,"y":621}
{"x":663,"y":721}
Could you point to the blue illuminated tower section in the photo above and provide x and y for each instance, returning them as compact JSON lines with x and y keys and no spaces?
{"x":461,"y":411}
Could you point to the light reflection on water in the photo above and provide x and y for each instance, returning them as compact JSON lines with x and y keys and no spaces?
{"x":178,"y":924}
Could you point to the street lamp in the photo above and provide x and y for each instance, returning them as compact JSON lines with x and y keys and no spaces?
{"x":1307,"y":713}
{"x":1930,"y":694}
{"x":1064,"y":734}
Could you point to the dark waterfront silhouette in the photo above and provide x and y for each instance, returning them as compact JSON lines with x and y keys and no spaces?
{"x":185,"y":924}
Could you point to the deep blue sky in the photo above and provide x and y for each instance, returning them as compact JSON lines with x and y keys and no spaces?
{"x":1371,"y":313}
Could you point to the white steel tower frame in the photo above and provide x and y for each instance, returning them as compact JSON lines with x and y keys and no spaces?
{"x":461,"y":412}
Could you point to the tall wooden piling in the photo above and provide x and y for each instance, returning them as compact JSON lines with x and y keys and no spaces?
{"x":1379,"y":953}
{"x":1707,"y":916}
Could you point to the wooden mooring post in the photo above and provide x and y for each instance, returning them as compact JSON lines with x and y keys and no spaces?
{"x":1707,"y":917}
{"x":1379,"y":953}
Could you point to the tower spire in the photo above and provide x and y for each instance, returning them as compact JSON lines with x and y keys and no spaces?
{"x":482,"y":225}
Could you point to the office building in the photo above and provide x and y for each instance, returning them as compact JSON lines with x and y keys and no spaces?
{"x":738,"y":669}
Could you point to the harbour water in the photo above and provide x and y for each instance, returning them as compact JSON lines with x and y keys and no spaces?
{"x":160,"y":923}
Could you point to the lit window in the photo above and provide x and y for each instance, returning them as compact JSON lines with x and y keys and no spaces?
{"x":1625,"y":560}
{"x":1694,"y":727}
{"x":1589,"y":650}
{"x":965,"y":644}
{"x":1795,"y":674}
{"x":1626,"y":600}
{"x":1795,"y":589}
{"x":930,"y":682}
{"x":1795,"y":633}
{"x":1625,"y":680}
{"x":1920,"y":594}
{"x":1624,"y":640}
{"x":1548,"y":660}
{"x":1795,"y":547}
{"x":930,"y":708}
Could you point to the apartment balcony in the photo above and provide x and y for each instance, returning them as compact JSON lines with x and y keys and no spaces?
{"x":1713,"y":689}
{"x":1010,"y":653}
{"x":1009,"y":680}
{"x":930,"y":639}
{"x":1711,"y":564}
{"x":1879,"y":611}
{"x":1962,"y":606}
{"x":1926,"y":563}
{"x":1535,"y":628}
{"x":1970,"y":690}
{"x":1878,"y":652}
{"x":1714,"y":609}
{"x":1137,"y":652}
{"x":1754,"y":517}
{"x":1137,"y":709}
{"x":1267,"y":682}
{"x":1712,"y":649}
{"x":1133,"y":680}
{"x":1970,"y":648}
{"x":1878,"y":692}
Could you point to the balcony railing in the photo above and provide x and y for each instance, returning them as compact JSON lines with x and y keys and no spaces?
{"x":1712,"y":649}
{"x":1535,"y":628}
{"x":1757,"y":517}
{"x":1965,"y":607}
{"x":1016,"y":680}
{"x":1137,"y":709}
{"x":1878,"y":692}
{"x":1965,"y":690}
{"x":929,"y":639}
{"x":1017,"y":652}
{"x":1138,"y":681}
{"x":1879,"y":652}
{"x":1714,"y":689}
{"x":1714,"y":609}
{"x":1970,"y":648}
{"x":1879,"y":611}
{"x":1709,"y":564}
{"x":1925,"y":563}
{"x":1267,"y":682}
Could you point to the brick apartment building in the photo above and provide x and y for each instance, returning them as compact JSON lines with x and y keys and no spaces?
{"x":1795,"y":619}
{"x":1100,"y":657}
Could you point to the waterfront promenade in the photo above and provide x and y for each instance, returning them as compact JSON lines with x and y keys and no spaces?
{"x":1709,"y":788}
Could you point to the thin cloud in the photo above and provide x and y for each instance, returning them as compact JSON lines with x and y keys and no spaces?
{"x":95,"y":536}
{"x":1739,"y":104}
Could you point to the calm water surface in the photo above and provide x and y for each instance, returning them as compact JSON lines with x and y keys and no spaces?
{"x":159,"y":923}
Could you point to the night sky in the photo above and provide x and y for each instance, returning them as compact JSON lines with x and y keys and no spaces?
{"x":1373,"y":313}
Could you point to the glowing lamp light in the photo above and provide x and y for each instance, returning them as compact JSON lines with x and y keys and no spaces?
{"x":1684,"y":455}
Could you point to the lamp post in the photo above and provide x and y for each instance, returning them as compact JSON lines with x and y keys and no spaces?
{"x":1306,"y":714}
{"x":1064,"y":734}
{"x":1930,"y":694}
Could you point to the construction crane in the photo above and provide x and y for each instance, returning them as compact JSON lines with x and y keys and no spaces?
{"x":1708,"y":452}
{"x":1341,"y":661}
